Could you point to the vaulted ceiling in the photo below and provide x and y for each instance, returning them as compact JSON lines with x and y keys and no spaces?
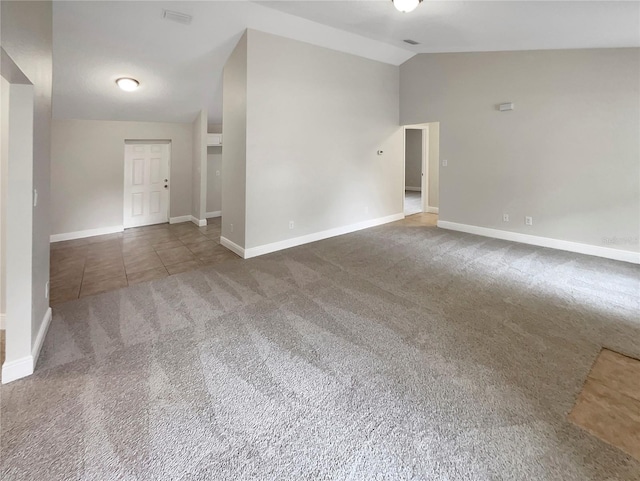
{"x":180,"y":66}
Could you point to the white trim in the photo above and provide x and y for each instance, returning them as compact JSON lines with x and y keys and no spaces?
{"x":215,"y":213}
{"x":433,"y":210}
{"x":188,"y":218}
{"x":606,"y":252}
{"x":81,"y":234}
{"x":198,"y":222}
{"x":305,"y":239}
{"x":25,"y":366}
{"x":2,"y":321}
{"x":413,"y":189}
{"x":17,"y":369}
{"x":232,"y":246}
{"x":37,"y":345}
{"x":180,"y":219}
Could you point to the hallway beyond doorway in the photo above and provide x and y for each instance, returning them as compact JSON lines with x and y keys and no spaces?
{"x":412,"y":202}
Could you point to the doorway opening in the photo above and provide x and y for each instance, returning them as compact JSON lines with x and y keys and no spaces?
{"x":422,"y":156}
{"x":147,"y":167}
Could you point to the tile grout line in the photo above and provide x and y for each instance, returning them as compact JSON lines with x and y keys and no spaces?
{"x":609,"y":388}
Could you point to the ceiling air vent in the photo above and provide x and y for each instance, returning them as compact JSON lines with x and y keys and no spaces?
{"x":411,"y":42}
{"x":177,"y":17}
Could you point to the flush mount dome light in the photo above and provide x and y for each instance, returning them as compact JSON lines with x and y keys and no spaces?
{"x":128,"y":84}
{"x":406,"y":6}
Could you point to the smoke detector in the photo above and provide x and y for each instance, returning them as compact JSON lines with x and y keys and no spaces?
{"x":182,"y":18}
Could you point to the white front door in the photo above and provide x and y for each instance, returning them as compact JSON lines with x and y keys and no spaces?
{"x":146,"y":184}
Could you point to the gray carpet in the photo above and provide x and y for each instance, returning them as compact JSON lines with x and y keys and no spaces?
{"x":396,"y":353}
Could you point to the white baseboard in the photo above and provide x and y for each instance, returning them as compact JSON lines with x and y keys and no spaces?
{"x":2,"y":321}
{"x":316,"y":236}
{"x":180,"y":219}
{"x":13,"y":370}
{"x":413,"y":189}
{"x":215,"y":213}
{"x":198,"y":222}
{"x":23,"y":367}
{"x":188,"y":218}
{"x":232,"y":246}
{"x":44,"y":327}
{"x":433,"y":210}
{"x":81,"y":234}
{"x":606,"y":252}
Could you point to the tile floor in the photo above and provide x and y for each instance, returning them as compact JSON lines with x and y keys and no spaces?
{"x":420,"y":219}
{"x":609,"y":404}
{"x":84,"y":267}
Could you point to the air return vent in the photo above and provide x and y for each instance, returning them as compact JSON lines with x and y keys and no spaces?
{"x":411,"y":42}
{"x":177,"y":17}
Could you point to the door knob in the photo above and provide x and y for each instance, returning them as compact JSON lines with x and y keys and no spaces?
{"x":166,"y":186}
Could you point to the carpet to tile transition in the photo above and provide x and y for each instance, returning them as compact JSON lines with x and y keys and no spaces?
{"x":396,"y":353}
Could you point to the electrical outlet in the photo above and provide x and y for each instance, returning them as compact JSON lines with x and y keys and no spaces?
{"x":528,"y":220}
{"x":231,"y":226}
{"x":217,"y":173}
{"x":291,"y":224}
{"x":46,"y":290}
{"x":505,"y":217}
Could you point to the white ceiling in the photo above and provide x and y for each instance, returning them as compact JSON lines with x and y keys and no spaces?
{"x":481,"y":26}
{"x":180,"y":66}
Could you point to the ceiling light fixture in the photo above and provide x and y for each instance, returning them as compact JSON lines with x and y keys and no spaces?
{"x":128,"y":84}
{"x":406,"y":6}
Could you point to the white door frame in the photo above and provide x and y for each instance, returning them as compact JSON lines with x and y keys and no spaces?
{"x":425,"y":169}
{"x":168,"y":177}
{"x":424,"y":187}
{"x":21,"y":353}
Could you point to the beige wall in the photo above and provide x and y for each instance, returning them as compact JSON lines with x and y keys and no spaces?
{"x":315,"y":120}
{"x":27,"y":38}
{"x":199,"y":166}
{"x":87,"y":171}
{"x":568,"y":155}
{"x":214,"y":181}
{"x":234,"y":152}
{"x":413,"y":158}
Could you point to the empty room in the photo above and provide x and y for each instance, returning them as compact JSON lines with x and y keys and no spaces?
{"x":320,"y":240}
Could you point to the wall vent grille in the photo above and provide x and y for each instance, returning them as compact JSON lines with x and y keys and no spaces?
{"x":177,"y":17}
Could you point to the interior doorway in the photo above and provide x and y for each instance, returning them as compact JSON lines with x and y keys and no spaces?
{"x":414,"y":170}
{"x":422,"y":158}
{"x":146,"y":183}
